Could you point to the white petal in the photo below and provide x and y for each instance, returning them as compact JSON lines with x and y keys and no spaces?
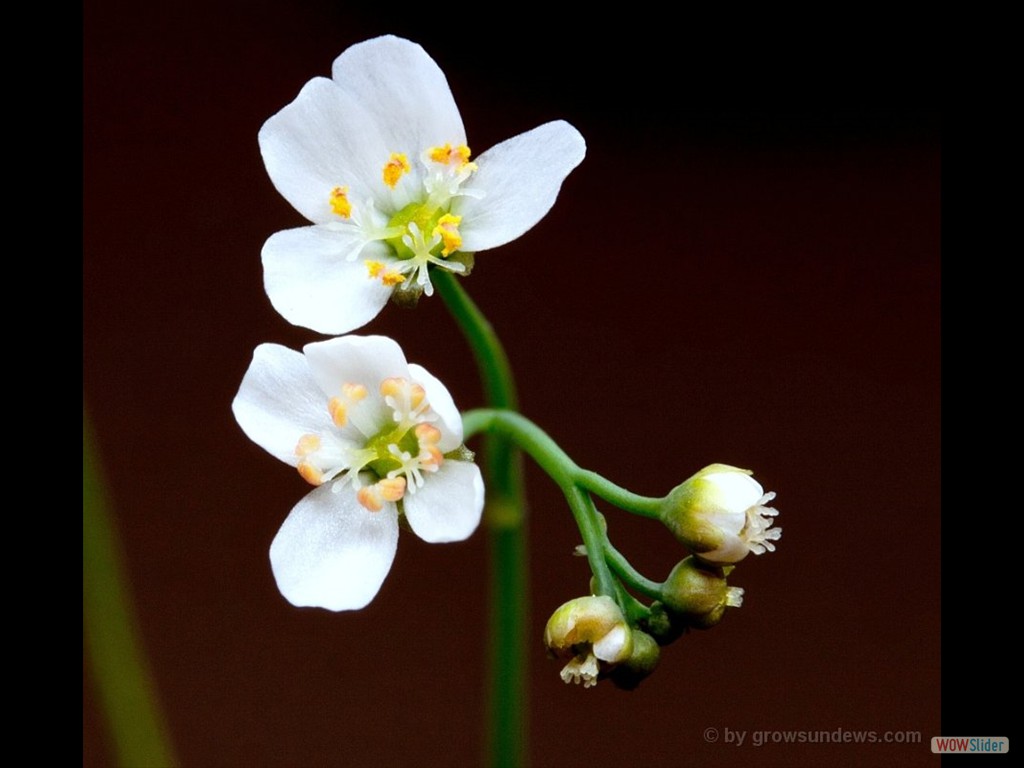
{"x":333,"y":553}
{"x":278,"y":401}
{"x":733,"y":549}
{"x":406,"y":92}
{"x":735,"y":491}
{"x":520,"y":179}
{"x":322,"y":140}
{"x":442,"y":404}
{"x":311,"y":284}
{"x":366,"y":360}
{"x":449,"y":505}
{"x":612,"y":646}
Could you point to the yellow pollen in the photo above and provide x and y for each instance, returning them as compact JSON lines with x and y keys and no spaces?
{"x":389,"y":277}
{"x":416,"y":395}
{"x":448,"y":155}
{"x":392,"y":489}
{"x":430,"y":456}
{"x":310,"y":474}
{"x":354,"y":392}
{"x":427,"y":434}
{"x":338,"y":410}
{"x":396,"y":387}
{"x":369,"y":498}
{"x":448,"y":230}
{"x":307,"y":444}
{"x":373,"y":496}
{"x":395,"y":168}
{"x":339,"y":202}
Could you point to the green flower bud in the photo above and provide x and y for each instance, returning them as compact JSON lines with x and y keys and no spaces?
{"x":719,"y":514}
{"x":699,"y":593}
{"x":641,"y":662}
{"x":592,"y":634}
{"x":663,"y":625}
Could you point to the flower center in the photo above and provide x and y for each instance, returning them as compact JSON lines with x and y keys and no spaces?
{"x":419,"y":234}
{"x":382,"y":462}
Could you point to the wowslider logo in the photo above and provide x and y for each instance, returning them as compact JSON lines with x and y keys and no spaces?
{"x":996,"y":745}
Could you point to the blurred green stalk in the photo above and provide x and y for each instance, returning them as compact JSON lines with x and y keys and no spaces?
{"x":505,"y":518}
{"x":119,"y":668}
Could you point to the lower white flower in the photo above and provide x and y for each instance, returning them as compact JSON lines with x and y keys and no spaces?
{"x":379,"y":438}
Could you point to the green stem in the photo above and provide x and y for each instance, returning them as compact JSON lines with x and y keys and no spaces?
{"x":593,"y":534}
{"x":634,"y":610}
{"x":506,"y":525}
{"x":502,"y":460}
{"x":630,"y":575}
{"x":123,"y":682}
{"x":644,"y":506}
{"x":561,"y":468}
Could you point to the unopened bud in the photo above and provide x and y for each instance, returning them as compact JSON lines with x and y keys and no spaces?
{"x":641,"y":662}
{"x":699,"y":593}
{"x":661,"y":624}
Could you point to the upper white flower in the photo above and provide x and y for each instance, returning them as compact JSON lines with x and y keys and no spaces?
{"x":379,"y":437}
{"x":377,"y":159}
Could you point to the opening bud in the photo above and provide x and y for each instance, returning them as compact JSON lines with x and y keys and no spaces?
{"x":592,"y":634}
{"x":720,"y":515}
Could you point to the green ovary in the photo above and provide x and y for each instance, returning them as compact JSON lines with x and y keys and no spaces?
{"x":423,"y":216}
{"x":385,"y":461}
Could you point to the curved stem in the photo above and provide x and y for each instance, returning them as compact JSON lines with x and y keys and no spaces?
{"x":644,"y":506}
{"x":505,"y":516}
{"x":635,"y":610}
{"x":629,"y":575}
{"x":553,"y":460}
{"x":562,"y":469}
{"x":590,"y":529}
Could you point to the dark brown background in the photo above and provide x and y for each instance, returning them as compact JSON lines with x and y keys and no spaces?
{"x":723,"y":279}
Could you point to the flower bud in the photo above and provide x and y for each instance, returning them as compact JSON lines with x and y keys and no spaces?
{"x":592,"y":634}
{"x":641,"y":662}
{"x":662,"y":624}
{"x":699,"y":593}
{"x":719,"y":514}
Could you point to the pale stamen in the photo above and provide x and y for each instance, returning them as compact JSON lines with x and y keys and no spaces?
{"x":321,"y":458}
{"x":388,"y":490}
{"x":407,"y":401}
{"x":758,"y":531}
{"x":582,"y":669}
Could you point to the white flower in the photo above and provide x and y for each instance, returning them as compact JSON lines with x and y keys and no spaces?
{"x":720,"y":514}
{"x":377,"y":159}
{"x":376,"y":435}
